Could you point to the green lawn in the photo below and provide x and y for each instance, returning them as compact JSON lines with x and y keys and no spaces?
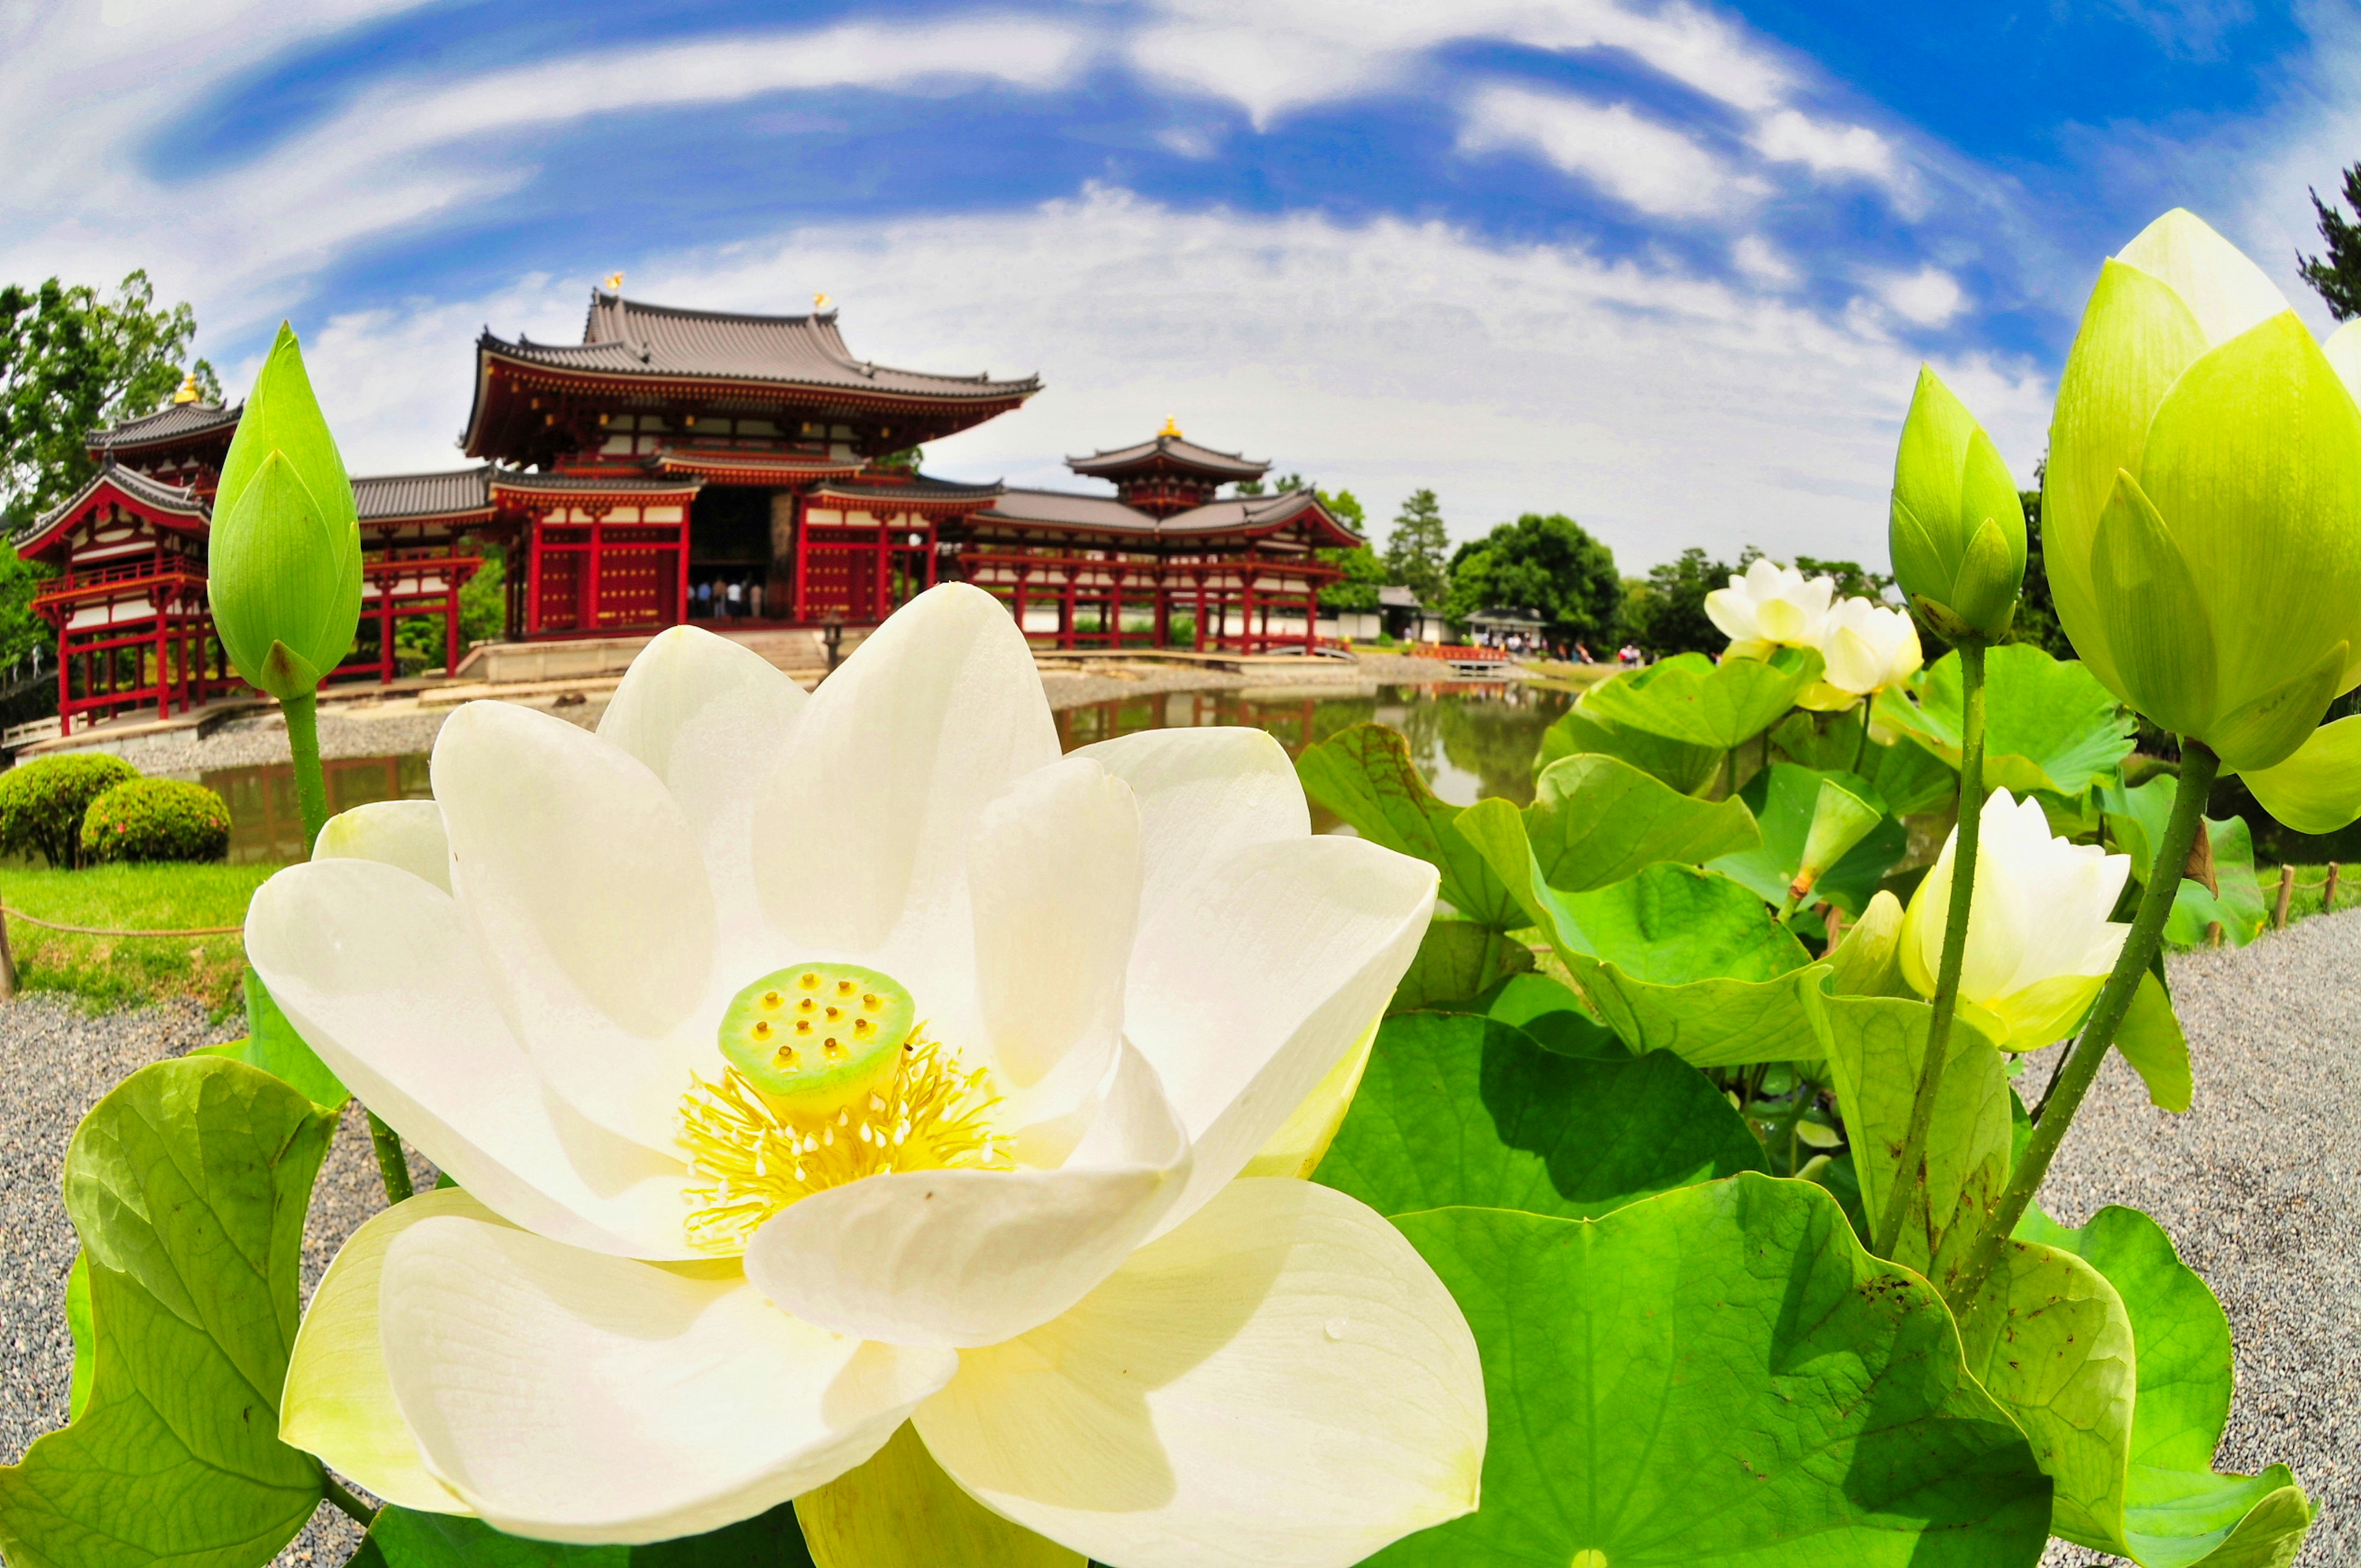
{"x":113,"y":971}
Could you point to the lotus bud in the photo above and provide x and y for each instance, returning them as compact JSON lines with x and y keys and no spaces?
{"x":2202,"y":510}
{"x":1840,"y":820}
{"x":1868,"y":961}
{"x":1867,"y":647}
{"x":285,"y":569}
{"x":1956,"y":528}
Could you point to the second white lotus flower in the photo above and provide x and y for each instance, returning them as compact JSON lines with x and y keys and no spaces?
{"x":810,"y":1065}
{"x":2039,"y":940}
{"x":1866,"y":647}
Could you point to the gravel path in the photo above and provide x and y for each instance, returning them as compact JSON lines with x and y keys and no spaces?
{"x":57,"y":1062}
{"x":2259,"y":1185}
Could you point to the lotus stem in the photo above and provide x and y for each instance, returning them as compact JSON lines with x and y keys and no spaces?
{"x":303,"y":742}
{"x":350,"y":1506}
{"x":2198,"y":766}
{"x":1910,"y":1174}
{"x":1861,"y":747}
{"x":392,"y":1165}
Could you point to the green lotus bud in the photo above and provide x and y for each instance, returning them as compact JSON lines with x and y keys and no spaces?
{"x":2201,"y":509}
{"x":1840,"y":820}
{"x":285,"y":569}
{"x":1957,"y":528}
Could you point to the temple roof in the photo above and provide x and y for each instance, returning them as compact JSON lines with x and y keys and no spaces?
{"x":1239,"y":514}
{"x":596,"y":483}
{"x":1167,"y":450}
{"x":919,"y":489}
{"x":626,"y":338}
{"x":383,"y":498}
{"x":1063,"y":508}
{"x":175,"y":503}
{"x":173,"y":421}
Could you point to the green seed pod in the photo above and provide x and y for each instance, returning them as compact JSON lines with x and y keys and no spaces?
{"x":814,"y":1037}
{"x":1841,"y":820}
{"x":285,"y":570}
{"x":1957,"y":528}
{"x":2201,"y":509}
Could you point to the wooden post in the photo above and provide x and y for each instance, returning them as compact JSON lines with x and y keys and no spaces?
{"x":2287,"y":891}
{"x":2328,"y":890}
{"x":2214,"y":935}
{"x":8,"y":961}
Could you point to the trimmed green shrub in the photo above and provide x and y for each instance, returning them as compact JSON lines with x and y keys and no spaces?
{"x":42,"y":803}
{"x":156,"y":819}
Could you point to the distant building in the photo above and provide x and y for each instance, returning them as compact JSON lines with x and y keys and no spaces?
{"x":1493,"y":627}
{"x":673,"y":465}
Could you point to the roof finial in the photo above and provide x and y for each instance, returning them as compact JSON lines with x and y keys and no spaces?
{"x":615,"y":283}
{"x":1172,"y":426}
{"x":188,"y":392}
{"x":821,"y":302}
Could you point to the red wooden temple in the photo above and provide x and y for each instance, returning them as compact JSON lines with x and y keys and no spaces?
{"x":686,"y":466}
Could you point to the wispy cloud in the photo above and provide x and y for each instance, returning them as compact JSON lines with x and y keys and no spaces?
{"x":1639,"y":161}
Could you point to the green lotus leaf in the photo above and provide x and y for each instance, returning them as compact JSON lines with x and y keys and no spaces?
{"x":1556,"y":1017}
{"x":2318,"y":790}
{"x":2151,"y":1039}
{"x":2179,"y":1513}
{"x":1459,"y":1110}
{"x":2239,"y":903}
{"x":1691,"y":699}
{"x":272,"y":1045}
{"x":2048,"y":724}
{"x":1671,"y":925}
{"x":1720,"y":1374}
{"x":85,"y":1349}
{"x":1597,"y":819}
{"x":188,"y":1184}
{"x":403,"y":1537}
{"x":1707,"y":1023}
{"x":1578,"y":732}
{"x":2136,"y":339}
{"x":1786,"y":800}
{"x":2252,"y":461}
{"x":1364,"y":775}
{"x":2049,"y":1338}
{"x":1457,"y":961}
{"x":1875,"y":1046}
{"x":1900,"y":773}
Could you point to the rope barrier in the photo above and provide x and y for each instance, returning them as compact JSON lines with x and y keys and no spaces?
{"x":105,"y":931}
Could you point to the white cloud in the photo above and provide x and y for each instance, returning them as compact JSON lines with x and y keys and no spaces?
{"x":1648,"y":165}
{"x":1269,"y":56}
{"x":240,"y":243}
{"x":1660,"y":408}
{"x":1836,"y":151}
{"x":1928,"y":297}
{"x":1762,"y":261}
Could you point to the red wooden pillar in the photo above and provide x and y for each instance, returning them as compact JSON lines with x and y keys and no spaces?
{"x":1115,"y":606}
{"x":680,"y":572}
{"x":803,"y":558}
{"x":882,"y":595}
{"x":531,"y":539}
{"x":1311,"y":620}
{"x":1163,"y":608}
{"x":1246,"y":620}
{"x":1200,"y":574}
{"x":1024,"y":575}
{"x":1066,"y":613}
{"x":932,"y":555}
{"x":592,"y":580}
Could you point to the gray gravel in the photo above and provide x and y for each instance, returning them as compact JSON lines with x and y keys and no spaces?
{"x":57,"y":1062}
{"x":2259,"y":1185}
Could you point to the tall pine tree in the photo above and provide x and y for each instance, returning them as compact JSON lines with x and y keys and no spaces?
{"x":1419,"y":547}
{"x":2336,"y":277}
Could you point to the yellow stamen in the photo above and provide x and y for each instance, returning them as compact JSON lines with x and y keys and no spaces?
{"x":749,"y":1159}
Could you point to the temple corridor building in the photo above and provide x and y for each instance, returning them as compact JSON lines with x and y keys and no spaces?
{"x":690,"y":465}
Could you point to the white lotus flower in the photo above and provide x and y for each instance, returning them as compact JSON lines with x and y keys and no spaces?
{"x":1770,"y":606}
{"x":2040,"y":942}
{"x":1867,"y":647}
{"x":705,"y":1259}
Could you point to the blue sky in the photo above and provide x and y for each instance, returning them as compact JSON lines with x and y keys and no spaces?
{"x":1669,"y":267}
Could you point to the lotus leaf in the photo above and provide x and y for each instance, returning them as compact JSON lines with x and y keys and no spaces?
{"x":272,"y":1045}
{"x":1364,"y":775}
{"x":1460,"y":1110}
{"x":1458,"y":960}
{"x":2049,"y":1338}
{"x":1597,"y":820}
{"x":1707,"y":1023}
{"x":188,"y":1184}
{"x":2179,"y":1513}
{"x":2048,"y":724}
{"x":1720,"y":1374}
{"x":2151,"y":1039}
{"x":403,"y":1538}
{"x":1685,"y":768}
{"x":2318,"y":790}
{"x":1875,"y":1046}
{"x":1556,"y":1018}
{"x":1691,"y":699}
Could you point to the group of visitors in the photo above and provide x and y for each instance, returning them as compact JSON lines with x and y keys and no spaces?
{"x":726,"y":598}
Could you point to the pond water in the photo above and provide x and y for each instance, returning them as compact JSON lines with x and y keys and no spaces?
{"x":1473,"y":740}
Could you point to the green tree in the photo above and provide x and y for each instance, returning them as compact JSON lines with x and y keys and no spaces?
{"x":1364,"y":573}
{"x":1417,"y":548}
{"x":1852,"y":580}
{"x":1668,"y":605}
{"x":2336,"y":277}
{"x":71,"y":361}
{"x":2036,"y":611}
{"x":1548,"y":563}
